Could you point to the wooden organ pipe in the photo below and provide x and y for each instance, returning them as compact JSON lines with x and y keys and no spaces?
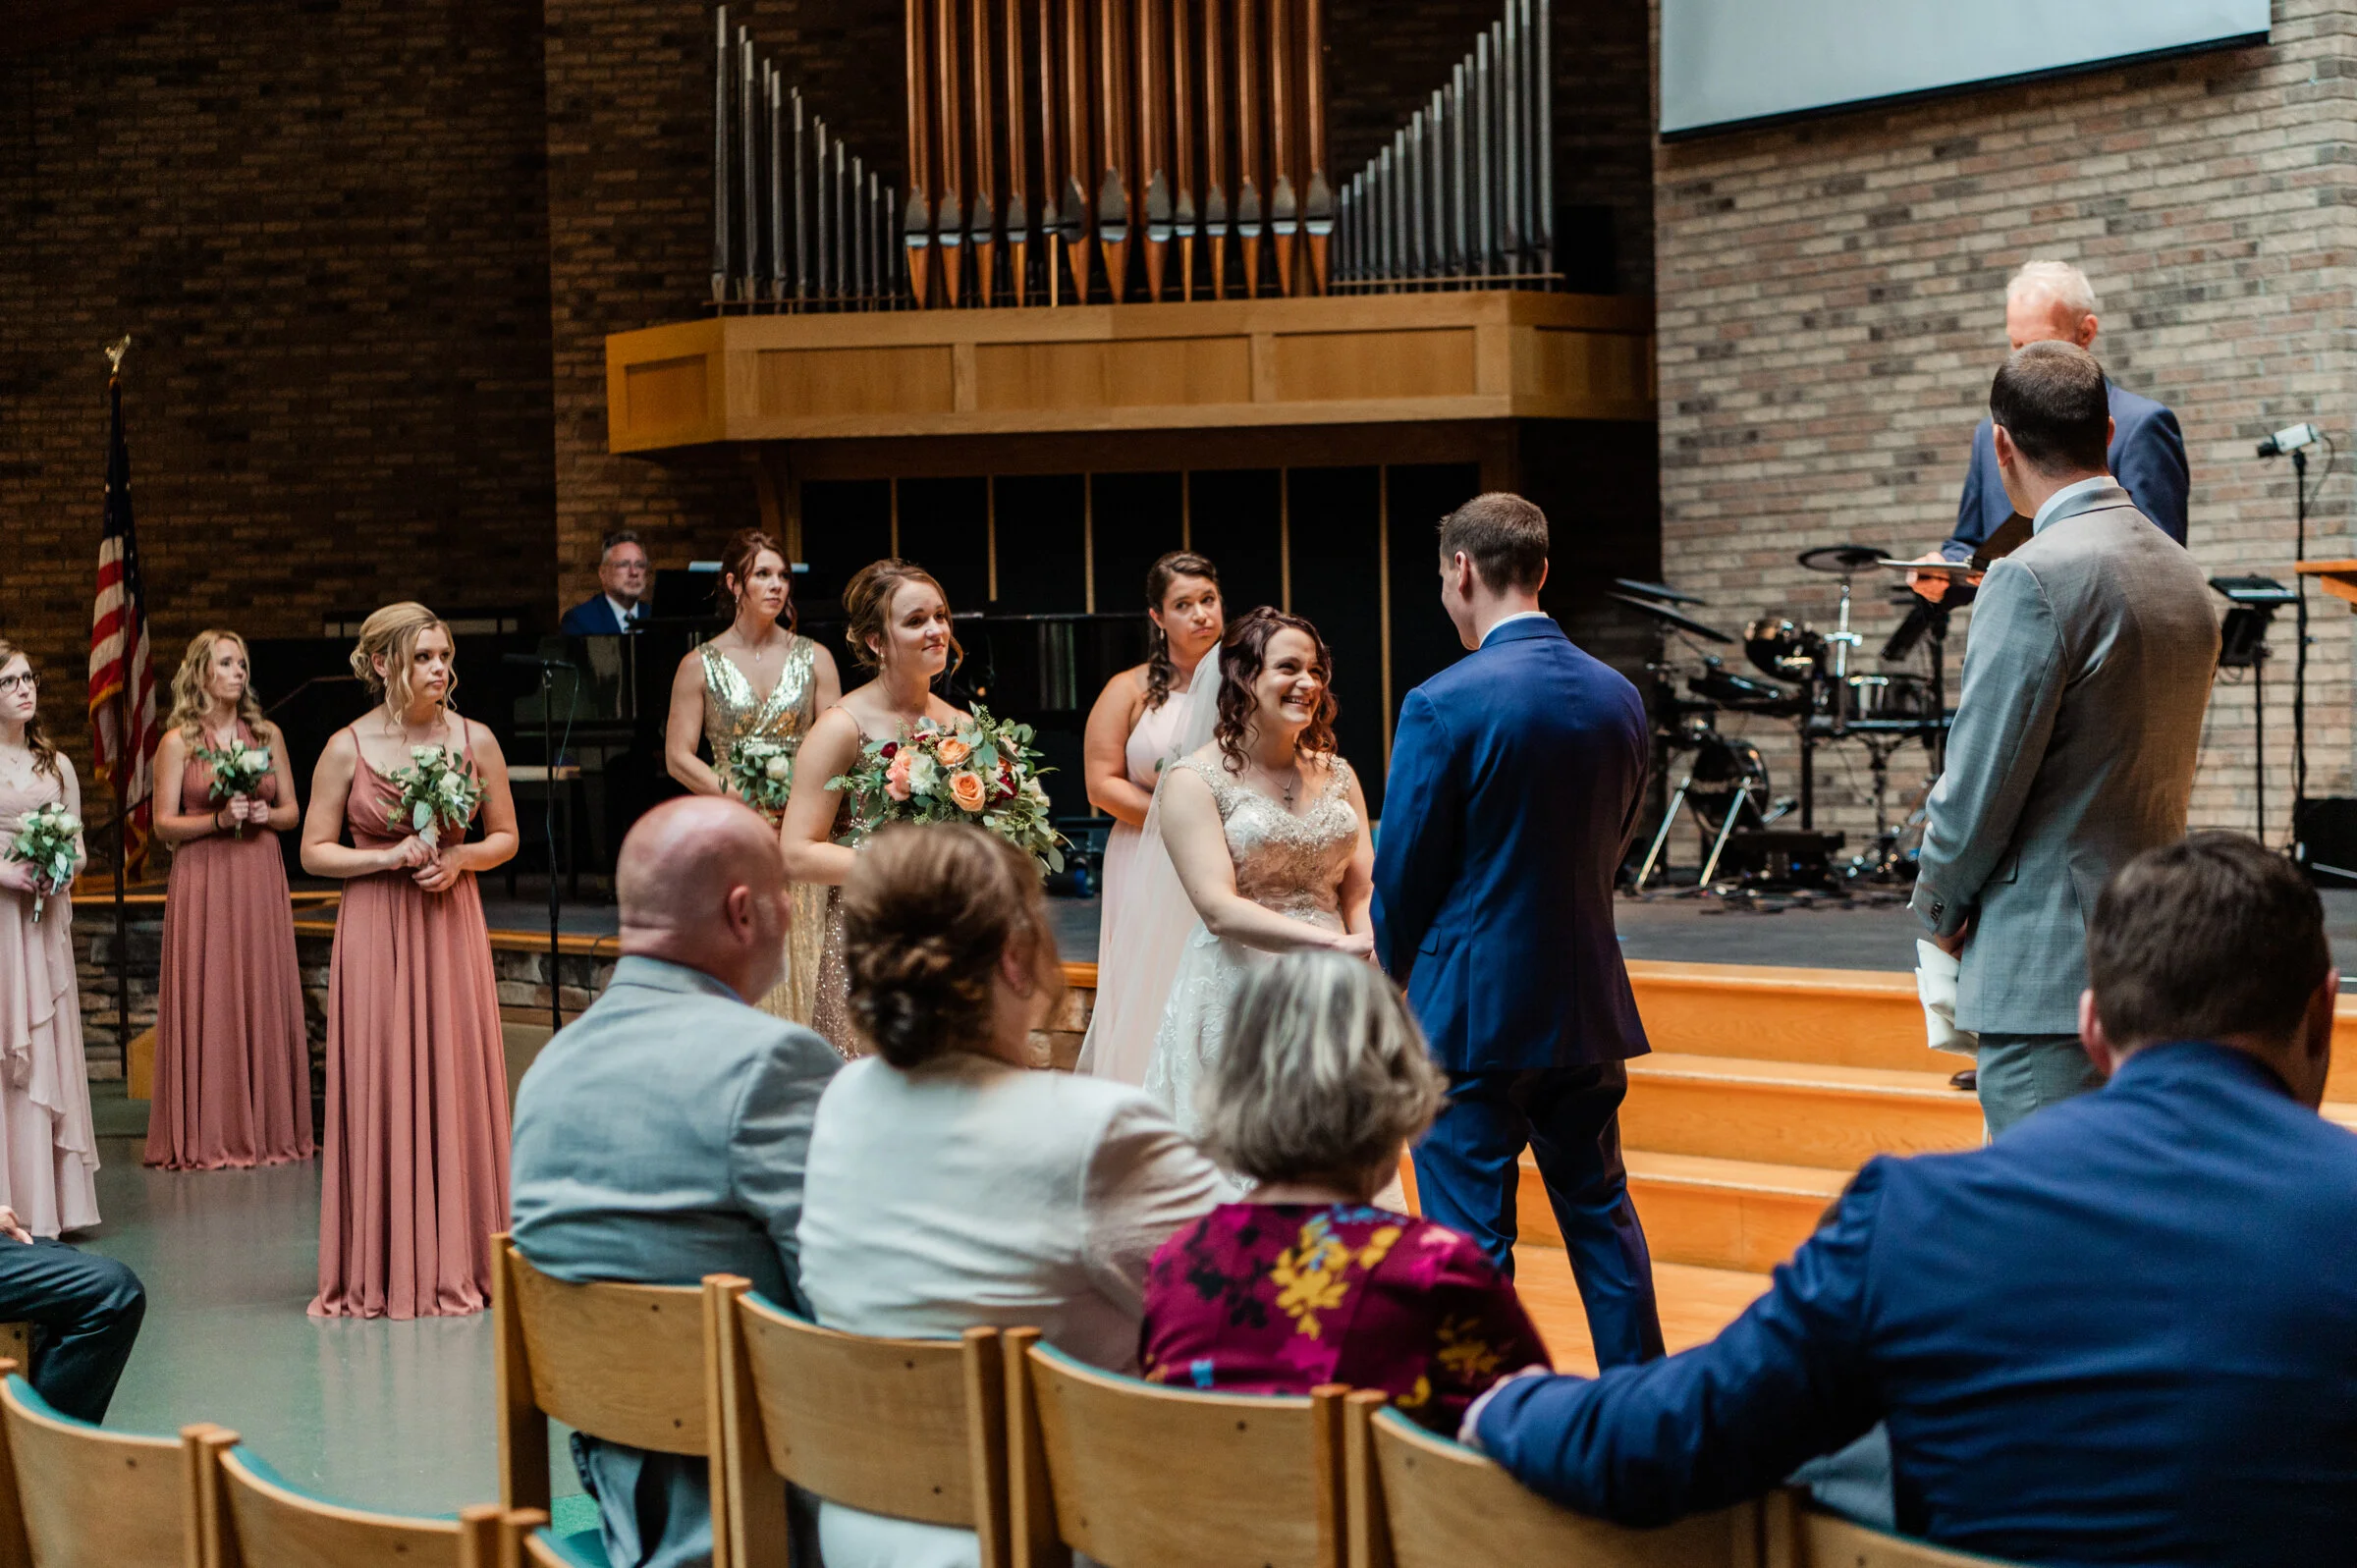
{"x":1284,"y":215}
{"x":1152,"y":107}
{"x":1318,"y":204}
{"x":1112,"y":195}
{"x":1215,"y":118}
{"x":984,"y":215}
{"x":919,"y":221}
{"x":951,"y":229}
{"x":1247,"y":145}
{"x":1018,"y":217}
{"x":1076,"y":147}
{"x":1182,"y":148}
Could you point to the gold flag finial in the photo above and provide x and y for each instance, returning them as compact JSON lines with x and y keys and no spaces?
{"x":115,"y":352}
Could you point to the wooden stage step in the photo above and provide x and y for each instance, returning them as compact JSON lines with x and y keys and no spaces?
{"x":1791,"y":1113}
{"x":1696,"y":1303}
{"x":1713,"y":1214}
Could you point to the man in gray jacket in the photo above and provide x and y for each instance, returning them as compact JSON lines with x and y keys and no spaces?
{"x":662,"y":1136}
{"x":2085,"y":679}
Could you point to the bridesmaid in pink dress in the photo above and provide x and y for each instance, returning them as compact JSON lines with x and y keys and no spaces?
{"x":48,"y":1159}
{"x":232,"y":1068}
{"x":415,"y":1180}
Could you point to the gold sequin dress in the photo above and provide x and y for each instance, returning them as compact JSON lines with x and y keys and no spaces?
{"x":732,"y":712}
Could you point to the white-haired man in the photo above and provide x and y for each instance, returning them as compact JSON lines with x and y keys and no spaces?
{"x":2051,"y":301}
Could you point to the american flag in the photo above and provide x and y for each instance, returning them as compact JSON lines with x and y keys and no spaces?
{"x":123,"y":727}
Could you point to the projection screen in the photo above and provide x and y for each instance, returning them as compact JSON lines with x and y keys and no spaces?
{"x":1727,"y":62}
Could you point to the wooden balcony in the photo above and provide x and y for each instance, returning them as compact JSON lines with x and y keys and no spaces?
{"x":1208,"y":365}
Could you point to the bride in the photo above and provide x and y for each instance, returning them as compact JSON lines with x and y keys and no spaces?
{"x":1268,"y":831}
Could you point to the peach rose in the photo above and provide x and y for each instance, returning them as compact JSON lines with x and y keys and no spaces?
{"x":953,"y":752}
{"x":896,"y":776}
{"x":967,"y":790}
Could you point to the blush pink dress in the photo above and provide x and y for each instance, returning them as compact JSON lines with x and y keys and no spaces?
{"x":48,"y":1159}
{"x":232,"y":1068}
{"x":415,"y":1175}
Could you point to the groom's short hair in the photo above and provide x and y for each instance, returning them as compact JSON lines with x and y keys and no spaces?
{"x":1504,"y":537}
{"x":2051,"y":399}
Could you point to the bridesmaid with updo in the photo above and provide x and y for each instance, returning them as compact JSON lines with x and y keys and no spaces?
{"x":233,"y":1079}
{"x":414,"y":1182}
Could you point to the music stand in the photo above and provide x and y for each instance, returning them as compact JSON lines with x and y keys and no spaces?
{"x":2242,"y":645}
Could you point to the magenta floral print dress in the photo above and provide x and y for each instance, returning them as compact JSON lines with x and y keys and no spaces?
{"x":1279,"y":1298}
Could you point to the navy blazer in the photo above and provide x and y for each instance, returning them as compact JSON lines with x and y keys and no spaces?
{"x":2147,"y":458}
{"x":1517,"y":774}
{"x":595,"y":616}
{"x":2124,"y":1332}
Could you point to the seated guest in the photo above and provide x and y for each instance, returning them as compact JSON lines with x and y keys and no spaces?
{"x":950,"y":1185}
{"x":1324,"y":1083}
{"x":2124,"y":1332}
{"x":660,"y":1136}
{"x":620,"y":605}
{"x":84,"y":1310}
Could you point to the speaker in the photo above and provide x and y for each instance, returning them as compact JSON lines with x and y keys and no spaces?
{"x":2324,"y":835}
{"x":1782,"y":857}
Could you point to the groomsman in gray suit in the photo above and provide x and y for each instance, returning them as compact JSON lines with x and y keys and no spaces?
{"x":2085,"y":679}
{"x":662,"y":1135}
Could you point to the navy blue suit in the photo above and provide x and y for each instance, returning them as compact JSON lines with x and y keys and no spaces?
{"x":1517,"y":774}
{"x":2147,"y":458}
{"x":2123,"y":1332}
{"x":595,"y":616}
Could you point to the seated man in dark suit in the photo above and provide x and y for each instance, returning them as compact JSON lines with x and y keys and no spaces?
{"x":84,"y":1310}
{"x":621,"y":603}
{"x":2124,"y":1332}
{"x":662,"y":1135}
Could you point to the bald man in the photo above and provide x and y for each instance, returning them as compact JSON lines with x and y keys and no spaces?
{"x":661,"y":1137}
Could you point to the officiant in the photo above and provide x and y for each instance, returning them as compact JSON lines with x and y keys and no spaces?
{"x":2052,"y":301}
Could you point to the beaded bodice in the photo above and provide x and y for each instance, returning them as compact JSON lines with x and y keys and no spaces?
{"x":1292,"y":864}
{"x":732,"y":712}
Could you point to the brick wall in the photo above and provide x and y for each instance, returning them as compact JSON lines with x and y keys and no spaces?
{"x":1830,"y":311}
{"x":323,"y":224}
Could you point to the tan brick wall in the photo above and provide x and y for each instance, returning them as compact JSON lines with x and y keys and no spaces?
{"x":1830,"y":311}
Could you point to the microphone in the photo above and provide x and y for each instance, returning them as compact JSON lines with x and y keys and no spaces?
{"x":2290,"y":439}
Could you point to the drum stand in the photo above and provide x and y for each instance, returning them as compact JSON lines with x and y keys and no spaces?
{"x":1734,"y":810}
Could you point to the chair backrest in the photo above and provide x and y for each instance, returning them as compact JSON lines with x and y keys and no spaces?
{"x":1140,"y":1475}
{"x":73,"y":1495}
{"x":1802,"y":1536}
{"x":1421,"y":1501}
{"x":625,"y":1362}
{"x":911,"y":1429}
{"x":254,"y":1519}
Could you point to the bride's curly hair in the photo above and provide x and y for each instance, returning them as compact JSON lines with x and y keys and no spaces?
{"x":1242,"y":659}
{"x":927,"y":914}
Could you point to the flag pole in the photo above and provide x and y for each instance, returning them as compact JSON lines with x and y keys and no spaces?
{"x":123,"y":767}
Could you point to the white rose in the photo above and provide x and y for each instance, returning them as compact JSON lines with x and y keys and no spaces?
{"x":424,"y":753}
{"x":777,"y":768}
{"x":923,"y":774}
{"x":1033,"y":790}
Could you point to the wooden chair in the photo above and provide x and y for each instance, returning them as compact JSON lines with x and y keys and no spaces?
{"x":1140,"y":1475}
{"x":911,"y":1429}
{"x":625,"y":1363}
{"x":251,"y":1517}
{"x":526,"y":1542}
{"x":72,"y":1496}
{"x":1800,"y":1535}
{"x":1421,"y":1501}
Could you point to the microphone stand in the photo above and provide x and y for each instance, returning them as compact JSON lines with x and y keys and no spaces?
{"x":2299,"y":660}
{"x":552,"y":754}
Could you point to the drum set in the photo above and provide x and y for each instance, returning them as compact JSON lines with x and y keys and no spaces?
{"x":1800,"y":676}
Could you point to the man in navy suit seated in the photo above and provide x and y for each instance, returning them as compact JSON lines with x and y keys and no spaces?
{"x":621,"y":603}
{"x":2123,"y":1332}
{"x":1517,"y":776}
{"x":2052,"y":301}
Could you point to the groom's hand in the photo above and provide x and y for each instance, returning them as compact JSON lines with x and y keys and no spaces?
{"x":1953,"y":945}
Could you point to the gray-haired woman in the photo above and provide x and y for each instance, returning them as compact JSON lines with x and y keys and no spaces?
{"x":1323,"y":1081}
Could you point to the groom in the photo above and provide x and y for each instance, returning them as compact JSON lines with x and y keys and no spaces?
{"x":1515,"y":782}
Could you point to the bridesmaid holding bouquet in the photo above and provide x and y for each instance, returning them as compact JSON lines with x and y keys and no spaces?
{"x":232,"y":1068}
{"x":415,"y":1180}
{"x":49,"y":1158}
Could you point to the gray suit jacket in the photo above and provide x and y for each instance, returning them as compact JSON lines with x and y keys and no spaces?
{"x":2085,"y":679}
{"x":660,"y":1137}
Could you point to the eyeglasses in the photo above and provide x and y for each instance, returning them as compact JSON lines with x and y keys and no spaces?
{"x":24,"y":681}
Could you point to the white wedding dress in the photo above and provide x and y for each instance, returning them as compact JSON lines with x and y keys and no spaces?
{"x":1290,"y":864}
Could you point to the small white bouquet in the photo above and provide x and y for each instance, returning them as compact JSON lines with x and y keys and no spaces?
{"x":761,"y":772}
{"x":237,"y":770}
{"x":48,"y":841}
{"x":437,"y":794}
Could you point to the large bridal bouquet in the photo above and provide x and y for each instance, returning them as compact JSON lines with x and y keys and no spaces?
{"x":237,"y":770}
{"x":47,"y":838}
{"x":979,"y":770}
{"x":435,"y":793}
{"x":761,"y":772}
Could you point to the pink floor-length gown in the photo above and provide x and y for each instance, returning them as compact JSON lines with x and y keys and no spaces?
{"x":415,"y":1180}
{"x":49,"y":1165}
{"x":232,"y":1067}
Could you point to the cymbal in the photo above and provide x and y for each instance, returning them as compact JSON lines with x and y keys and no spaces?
{"x":1659,"y":593}
{"x":1841,"y":560}
{"x":1672,"y":617}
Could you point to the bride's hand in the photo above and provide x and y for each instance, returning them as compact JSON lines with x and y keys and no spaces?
{"x":1354,"y":944}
